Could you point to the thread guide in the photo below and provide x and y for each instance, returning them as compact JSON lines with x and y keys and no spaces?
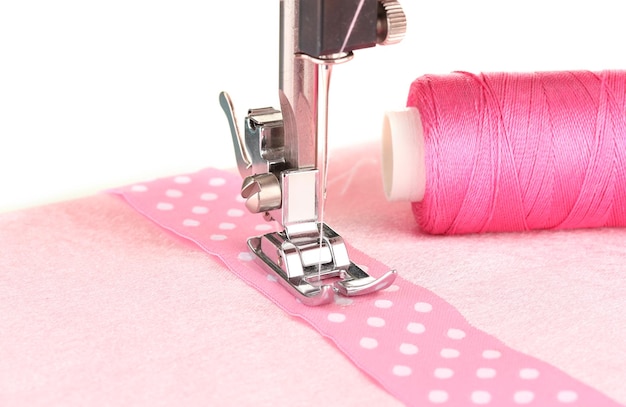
{"x":282,"y":155}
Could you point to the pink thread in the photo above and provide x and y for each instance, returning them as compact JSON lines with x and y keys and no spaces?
{"x":514,"y":152}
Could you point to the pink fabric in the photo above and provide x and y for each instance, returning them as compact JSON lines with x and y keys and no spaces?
{"x":527,"y":151}
{"x":98,"y":307}
{"x":412,"y":342}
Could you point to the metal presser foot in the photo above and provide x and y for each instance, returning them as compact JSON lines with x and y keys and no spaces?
{"x":278,"y":154}
{"x":297,"y":264}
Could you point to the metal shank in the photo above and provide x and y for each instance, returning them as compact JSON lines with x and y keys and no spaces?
{"x":278,"y":156}
{"x":297,"y":83}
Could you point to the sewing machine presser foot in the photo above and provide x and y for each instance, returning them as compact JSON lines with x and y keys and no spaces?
{"x":281,"y":154}
{"x":302,"y":264}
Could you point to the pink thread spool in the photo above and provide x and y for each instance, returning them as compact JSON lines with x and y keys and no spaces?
{"x":510,"y":152}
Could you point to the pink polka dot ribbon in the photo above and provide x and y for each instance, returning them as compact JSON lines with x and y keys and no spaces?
{"x":412,"y":342}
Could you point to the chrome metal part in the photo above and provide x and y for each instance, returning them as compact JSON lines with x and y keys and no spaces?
{"x":391,"y":26}
{"x":300,"y":202}
{"x":279,"y":153}
{"x":296,"y":264}
{"x":244,"y":163}
{"x":260,"y":149}
{"x":332,"y":59}
{"x":297,"y":91}
{"x":264,"y":139}
{"x":262,"y":192}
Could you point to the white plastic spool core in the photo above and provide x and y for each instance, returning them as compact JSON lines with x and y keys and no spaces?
{"x":404,"y":168}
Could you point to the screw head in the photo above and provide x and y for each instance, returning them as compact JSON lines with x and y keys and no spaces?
{"x":391,"y":25}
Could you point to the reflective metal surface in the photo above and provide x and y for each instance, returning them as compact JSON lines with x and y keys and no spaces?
{"x":282,"y":155}
{"x":294,"y":262}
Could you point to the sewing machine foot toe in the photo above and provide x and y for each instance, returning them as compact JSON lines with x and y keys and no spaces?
{"x":295,"y":265}
{"x":362,"y":285}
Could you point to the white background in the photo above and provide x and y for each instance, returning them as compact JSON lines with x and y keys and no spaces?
{"x":96,"y":94}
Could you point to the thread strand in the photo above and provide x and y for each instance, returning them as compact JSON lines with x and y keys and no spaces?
{"x":526,"y":151}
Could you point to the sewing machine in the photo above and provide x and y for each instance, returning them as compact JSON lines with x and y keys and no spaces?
{"x":282,"y":154}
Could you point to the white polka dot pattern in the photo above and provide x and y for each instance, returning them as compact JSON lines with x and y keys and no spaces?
{"x":173,"y":193}
{"x":336,"y":317}
{"x":414,"y":343}
{"x":408,"y":349}
{"x":416,"y":328}
{"x":456,"y":333}
{"x":164,"y":206}
{"x":523,"y":397}
{"x":138,"y":188}
{"x":486,"y":373}
{"x":182,"y":179}
{"x":423,"y":307}
{"x":403,"y":371}
{"x":437,"y":396}
{"x":383,"y":304}
{"x":481,"y":397}
{"x":443,"y":373}
{"x":567,"y":396}
{"x":200,"y":210}
{"x":449,"y":353}
{"x":491,"y":354}
{"x":529,"y":374}
{"x":376,"y":322}
{"x":208,"y":196}
{"x":368,"y":343}
{"x":191,"y":222}
{"x":217,"y":181}
{"x":245,"y":256}
{"x":235,"y":213}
